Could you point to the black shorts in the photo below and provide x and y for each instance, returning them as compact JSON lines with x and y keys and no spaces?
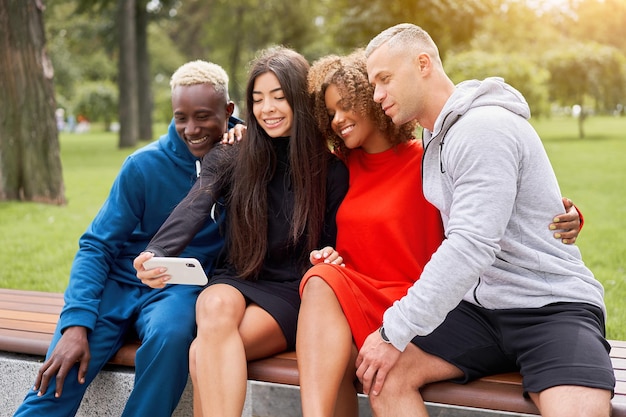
{"x":558,"y":344}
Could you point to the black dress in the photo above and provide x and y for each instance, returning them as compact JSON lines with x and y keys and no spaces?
{"x":277,"y":285}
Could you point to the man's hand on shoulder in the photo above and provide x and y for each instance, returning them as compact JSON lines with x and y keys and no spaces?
{"x":72,"y":349}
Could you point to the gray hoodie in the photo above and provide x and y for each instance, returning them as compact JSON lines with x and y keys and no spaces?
{"x":486,"y":170}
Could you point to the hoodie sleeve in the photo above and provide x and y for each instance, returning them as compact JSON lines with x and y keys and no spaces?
{"x":336,"y":189}
{"x":475,"y":187}
{"x":198,"y":206}
{"x":100,"y":245}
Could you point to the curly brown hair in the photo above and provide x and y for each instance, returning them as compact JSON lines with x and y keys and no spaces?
{"x":349,"y":75}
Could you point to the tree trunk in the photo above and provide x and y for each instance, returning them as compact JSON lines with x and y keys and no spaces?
{"x":237,"y":42}
{"x":127,"y":75}
{"x":581,"y":120}
{"x":30,"y":161}
{"x":144,"y":81}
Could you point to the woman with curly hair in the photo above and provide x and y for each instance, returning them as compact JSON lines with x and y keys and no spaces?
{"x":387,"y":231}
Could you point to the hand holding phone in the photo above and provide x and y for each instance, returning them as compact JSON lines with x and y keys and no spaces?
{"x":186,"y":271}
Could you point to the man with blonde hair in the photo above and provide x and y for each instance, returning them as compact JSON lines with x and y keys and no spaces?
{"x":104,"y":300}
{"x":500,"y":293}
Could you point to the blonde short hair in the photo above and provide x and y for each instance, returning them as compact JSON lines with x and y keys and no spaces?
{"x":201,"y":72}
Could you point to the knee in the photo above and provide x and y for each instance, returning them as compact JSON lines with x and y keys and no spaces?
{"x":382,"y":402}
{"x":401,"y":381}
{"x":170,"y":335}
{"x":315,"y":287}
{"x":216,"y":311}
{"x":377,"y":404}
{"x":394,"y":390}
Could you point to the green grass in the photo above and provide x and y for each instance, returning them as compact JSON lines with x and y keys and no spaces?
{"x":39,"y":242}
{"x":592,"y":172}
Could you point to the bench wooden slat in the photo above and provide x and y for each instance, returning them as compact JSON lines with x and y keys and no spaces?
{"x":27,"y":325}
{"x":480,"y":394}
{"x":29,"y":316}
{"x":32,"y":297}
{"x":28,"y":320}
{"x":18,"y":306}
{"x":126,"y":355}
{"x":19,"y":341}
{"x":507,"y":378}
{"x":506,"y":388}
{"x":282,"y":369}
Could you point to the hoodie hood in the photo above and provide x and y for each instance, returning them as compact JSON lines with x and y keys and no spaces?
{"x":470,"y":94}
{"x":176,"y":149}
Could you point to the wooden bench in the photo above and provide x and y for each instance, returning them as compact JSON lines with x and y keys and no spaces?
{"x":28,"y":319}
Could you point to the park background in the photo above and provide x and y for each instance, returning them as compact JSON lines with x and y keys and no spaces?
{"x":567,"y":57}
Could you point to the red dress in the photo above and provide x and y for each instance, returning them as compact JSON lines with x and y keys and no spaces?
{"x":387,"y":231}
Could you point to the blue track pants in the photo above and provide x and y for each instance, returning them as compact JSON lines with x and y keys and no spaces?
{"x":165,"y":322}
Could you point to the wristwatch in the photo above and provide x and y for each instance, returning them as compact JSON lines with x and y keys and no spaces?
{"x":383,"y":335}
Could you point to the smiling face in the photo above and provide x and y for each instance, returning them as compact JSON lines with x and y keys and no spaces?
{"x":356,"y":130}
{"x":396,"y":82}
{"x":270,"y":107}
{"x":201,"y":116}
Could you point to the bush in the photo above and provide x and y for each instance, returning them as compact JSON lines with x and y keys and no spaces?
{"x":97,"y":101}
{"x":530,"y":79}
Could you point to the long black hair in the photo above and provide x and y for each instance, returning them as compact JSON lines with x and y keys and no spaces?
{"x":255,"y":165}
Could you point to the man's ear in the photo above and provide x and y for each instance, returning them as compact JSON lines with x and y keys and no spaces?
{"x":423,"y":62}
{"x":230,"y":108}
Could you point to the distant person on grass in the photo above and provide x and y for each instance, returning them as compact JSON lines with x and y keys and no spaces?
{"x":104,"y":300}
{"x":499,"y":294}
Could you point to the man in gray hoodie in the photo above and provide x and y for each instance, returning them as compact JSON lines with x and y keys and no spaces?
{"x":500,"y":294}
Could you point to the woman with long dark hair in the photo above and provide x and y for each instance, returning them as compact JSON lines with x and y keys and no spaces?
{"x":281,"y":188}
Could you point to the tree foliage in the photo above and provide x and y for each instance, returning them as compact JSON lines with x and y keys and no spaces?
{"x":600,"y":21}
{"x":80,"y":49}
{"x":559,"y":40}
{"x":526,"y":76}
{"x":570,"y":53}
{"x":452,"y":23}
{"x":128,"y":39}
{"x":230,"y":32}
{"x":589,"y":75}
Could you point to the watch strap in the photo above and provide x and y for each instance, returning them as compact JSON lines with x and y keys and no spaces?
{"x":383,"y":336}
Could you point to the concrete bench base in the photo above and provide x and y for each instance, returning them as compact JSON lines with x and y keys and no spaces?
{"x":106,"y":396}
{"x":108,"y":393}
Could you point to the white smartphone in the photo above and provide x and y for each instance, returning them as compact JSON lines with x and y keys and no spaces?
{"x":187,"y":271}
